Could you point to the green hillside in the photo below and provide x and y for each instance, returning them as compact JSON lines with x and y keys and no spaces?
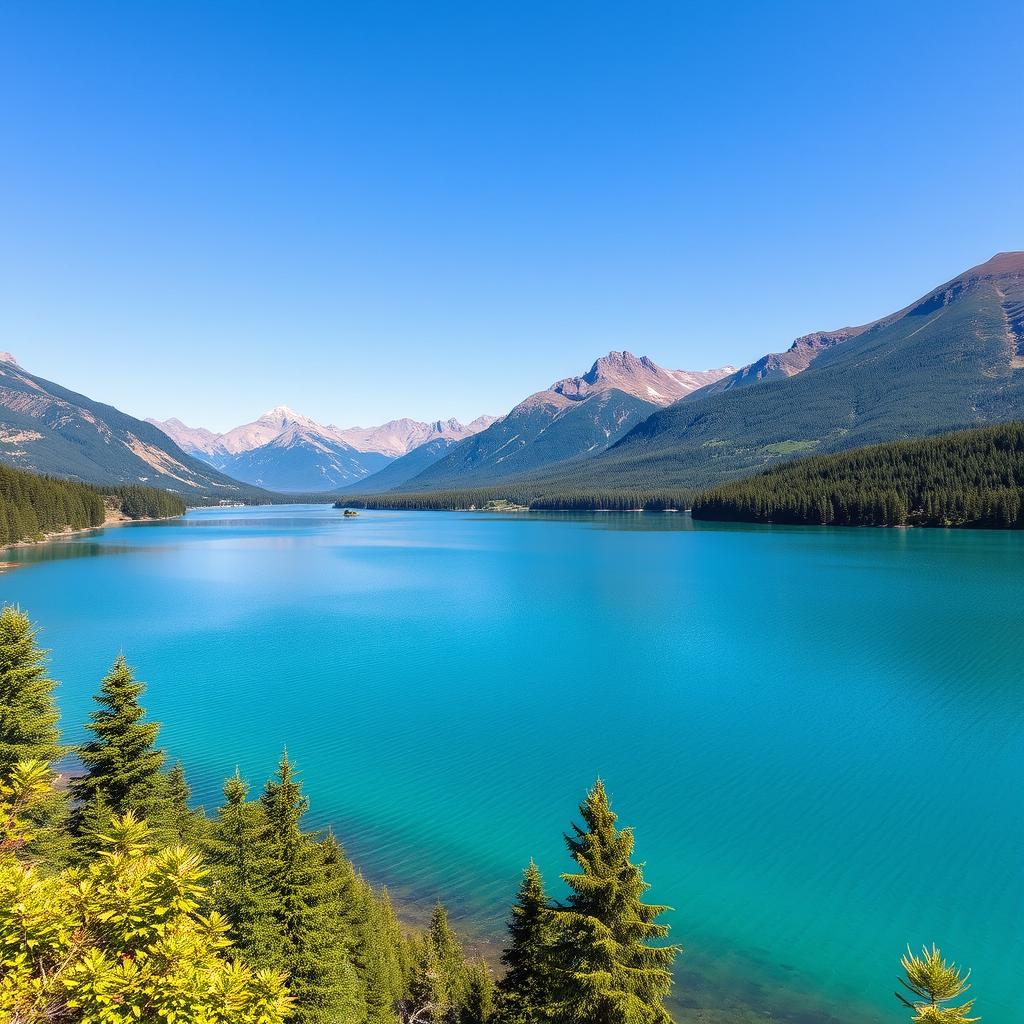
{"x":971,"y":478}
{"x":32,"y":506}
{"x":952,"y":360}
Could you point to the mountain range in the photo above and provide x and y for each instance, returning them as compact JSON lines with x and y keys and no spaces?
{"x":573,"y":419}
{"x":285,"y":451}
{"x":952,"y":359}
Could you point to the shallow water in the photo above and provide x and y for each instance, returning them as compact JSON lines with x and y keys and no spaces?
{"x":817,"y":734}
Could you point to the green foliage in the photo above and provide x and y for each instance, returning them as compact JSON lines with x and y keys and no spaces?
{"x":445,"y":987}
{"x":525,"y":992}
{"x":931,"y":982}
{"x":28,"y":728}
{"x":308,"y":886}
{"x":973,"y":478}
{"x":609,"y":971}
{"x":122,"y":767}
{"x":241,"y":870}
{"x":478,"y":1005}
{"x":32,"y":506}
{"x":170,"y":815}
{"x":129,"y":937}
{"x":28,"y":714}
{"x":381,"y":954}
{"x":144,"y":502}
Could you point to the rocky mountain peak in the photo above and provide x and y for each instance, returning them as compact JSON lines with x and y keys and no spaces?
{"x":639,"y":376}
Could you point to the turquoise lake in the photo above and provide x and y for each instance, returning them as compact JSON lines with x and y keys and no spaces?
{"x":818,"y":735}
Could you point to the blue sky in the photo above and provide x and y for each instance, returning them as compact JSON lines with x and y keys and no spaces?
{"x":370,"y":210}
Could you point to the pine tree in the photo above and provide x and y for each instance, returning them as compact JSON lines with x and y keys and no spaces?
{"x":453,"y":980}
{"x":173,"y":822}
{"x":524,"y":993}
{"x":932,"y":981}
{"x":121,"y":763}
{"x":376,"y":956}
{"x":241,"y":868}
{"x":426,"y":997}
{"x":29,"y":732}
{"x":307,"y":886}
{"x":384,"y":957}
{"x":478,"y":1005}
{"x":28,"y":714}
{"x":608,"y":970}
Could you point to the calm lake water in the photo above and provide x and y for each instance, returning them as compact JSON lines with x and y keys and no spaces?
{"x":818,"y":735}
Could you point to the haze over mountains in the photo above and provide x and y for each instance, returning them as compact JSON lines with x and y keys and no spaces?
{"x":285,"y":451}
{"x":950,"y":360}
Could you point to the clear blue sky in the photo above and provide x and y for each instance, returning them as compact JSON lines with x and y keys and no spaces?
{"x":368,"y":210}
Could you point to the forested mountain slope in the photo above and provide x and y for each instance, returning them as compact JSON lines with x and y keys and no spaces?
{"x":952,"y":360}
{"x":48,"y":429}
{"x":969,"y":478}
{"x":574,"y":418}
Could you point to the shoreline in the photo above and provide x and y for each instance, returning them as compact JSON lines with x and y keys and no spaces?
{"x":112,"y":519}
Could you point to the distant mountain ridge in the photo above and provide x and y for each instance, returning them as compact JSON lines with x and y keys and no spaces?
{"x":48,"y":429}
{"x":399,"y":437}
{"x":300,"y":459}
{"x":286,"y":451}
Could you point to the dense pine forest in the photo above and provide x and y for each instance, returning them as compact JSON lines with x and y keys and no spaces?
{"x":972,"y":478}
{"x":32,"y":506}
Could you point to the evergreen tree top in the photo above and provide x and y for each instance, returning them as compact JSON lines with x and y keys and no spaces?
{"x":613,"y":970}
{"x":121,"y":761}
{"x":28,"y":714}
{"x":236,"y":789}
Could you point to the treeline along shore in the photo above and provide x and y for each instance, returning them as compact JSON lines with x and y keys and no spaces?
{"x":33,"y":506}
{"x":971,"y":478}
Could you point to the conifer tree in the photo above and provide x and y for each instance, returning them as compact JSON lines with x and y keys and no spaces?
{"x":376,"y":960}
{"x":241,"y":867}
{"x":173,"y":822}
{"x":28,"y":714}
{"x":478,"y":1004}
{"x":426,"y":997}
{"x":307,"y":885}
{"x":608,"y":970}
{"x":931,"y":981}
{"x":122,"y":766}
{"x":524,"y":993}
{"x":29,"y":731}
{"x":453,"y":980}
